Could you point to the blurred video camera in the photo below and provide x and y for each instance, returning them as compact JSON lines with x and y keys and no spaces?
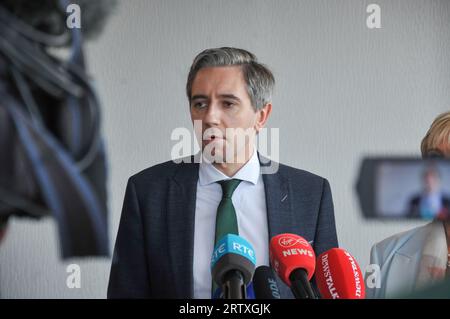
{"x":53,"y":162}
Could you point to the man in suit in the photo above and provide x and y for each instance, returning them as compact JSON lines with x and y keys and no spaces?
{"x":432,"y":202}
{"x":173,"y":212}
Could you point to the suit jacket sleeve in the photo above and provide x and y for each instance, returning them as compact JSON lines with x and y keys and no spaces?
{"x":375,"y":259}
{"x":129,"y":277}
{"x":325,"y":237}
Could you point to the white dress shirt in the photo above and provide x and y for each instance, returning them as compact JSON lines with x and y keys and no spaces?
{"x":249,"y":201}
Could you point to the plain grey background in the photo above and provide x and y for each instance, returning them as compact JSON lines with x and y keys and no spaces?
{"x":343,"y":91}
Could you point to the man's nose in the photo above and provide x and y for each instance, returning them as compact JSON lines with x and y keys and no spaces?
{"x":212,"y":115}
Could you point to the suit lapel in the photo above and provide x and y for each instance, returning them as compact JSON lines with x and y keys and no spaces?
{"x":180,"y":227}
{"x":279,"y":210}
{"x":278,"y":201}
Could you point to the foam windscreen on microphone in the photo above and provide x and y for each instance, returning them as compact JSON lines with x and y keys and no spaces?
{"x":339,"y":276}
{"x":232,"y":252}
{"x":289,"y":252}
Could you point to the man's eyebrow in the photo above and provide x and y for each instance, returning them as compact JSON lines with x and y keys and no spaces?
{"x":230,"y":96}
{"x":199,"y":97}
{"x":204,"y":97}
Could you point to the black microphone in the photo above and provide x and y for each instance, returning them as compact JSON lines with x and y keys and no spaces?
{"x":232,"y":266}
{"x":264,"y":284}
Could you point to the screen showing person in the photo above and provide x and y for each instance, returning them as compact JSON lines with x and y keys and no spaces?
{"x":432,"y":201}
{"x":414,"y":189}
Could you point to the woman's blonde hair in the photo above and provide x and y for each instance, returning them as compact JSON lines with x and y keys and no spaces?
{"x":438,"y":134}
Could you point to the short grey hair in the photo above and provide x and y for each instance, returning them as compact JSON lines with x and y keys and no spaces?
{"x":259,"y":79}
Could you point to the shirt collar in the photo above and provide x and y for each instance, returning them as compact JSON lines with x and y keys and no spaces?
{"x":250,"y":172}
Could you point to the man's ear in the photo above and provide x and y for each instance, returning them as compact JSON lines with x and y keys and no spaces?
{"x":262,"y":116}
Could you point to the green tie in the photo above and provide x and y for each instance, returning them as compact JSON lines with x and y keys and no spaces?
{"x":226,"y":221}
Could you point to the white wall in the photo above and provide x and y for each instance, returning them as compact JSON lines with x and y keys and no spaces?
{"x":342,"y":91}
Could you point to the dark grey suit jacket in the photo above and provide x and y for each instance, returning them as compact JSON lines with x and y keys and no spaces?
{"x":153,"y":255}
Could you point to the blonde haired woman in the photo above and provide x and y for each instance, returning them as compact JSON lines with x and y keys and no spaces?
{"x":436,"y":142}
{"x":416,"y":258}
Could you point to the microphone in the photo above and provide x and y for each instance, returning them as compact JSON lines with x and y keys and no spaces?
{"x":217,"y":294}
{"x":338,"y":276}
{"x":264,"y":284}
{"x":232,"y":266}
{"x":294,"y":260}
